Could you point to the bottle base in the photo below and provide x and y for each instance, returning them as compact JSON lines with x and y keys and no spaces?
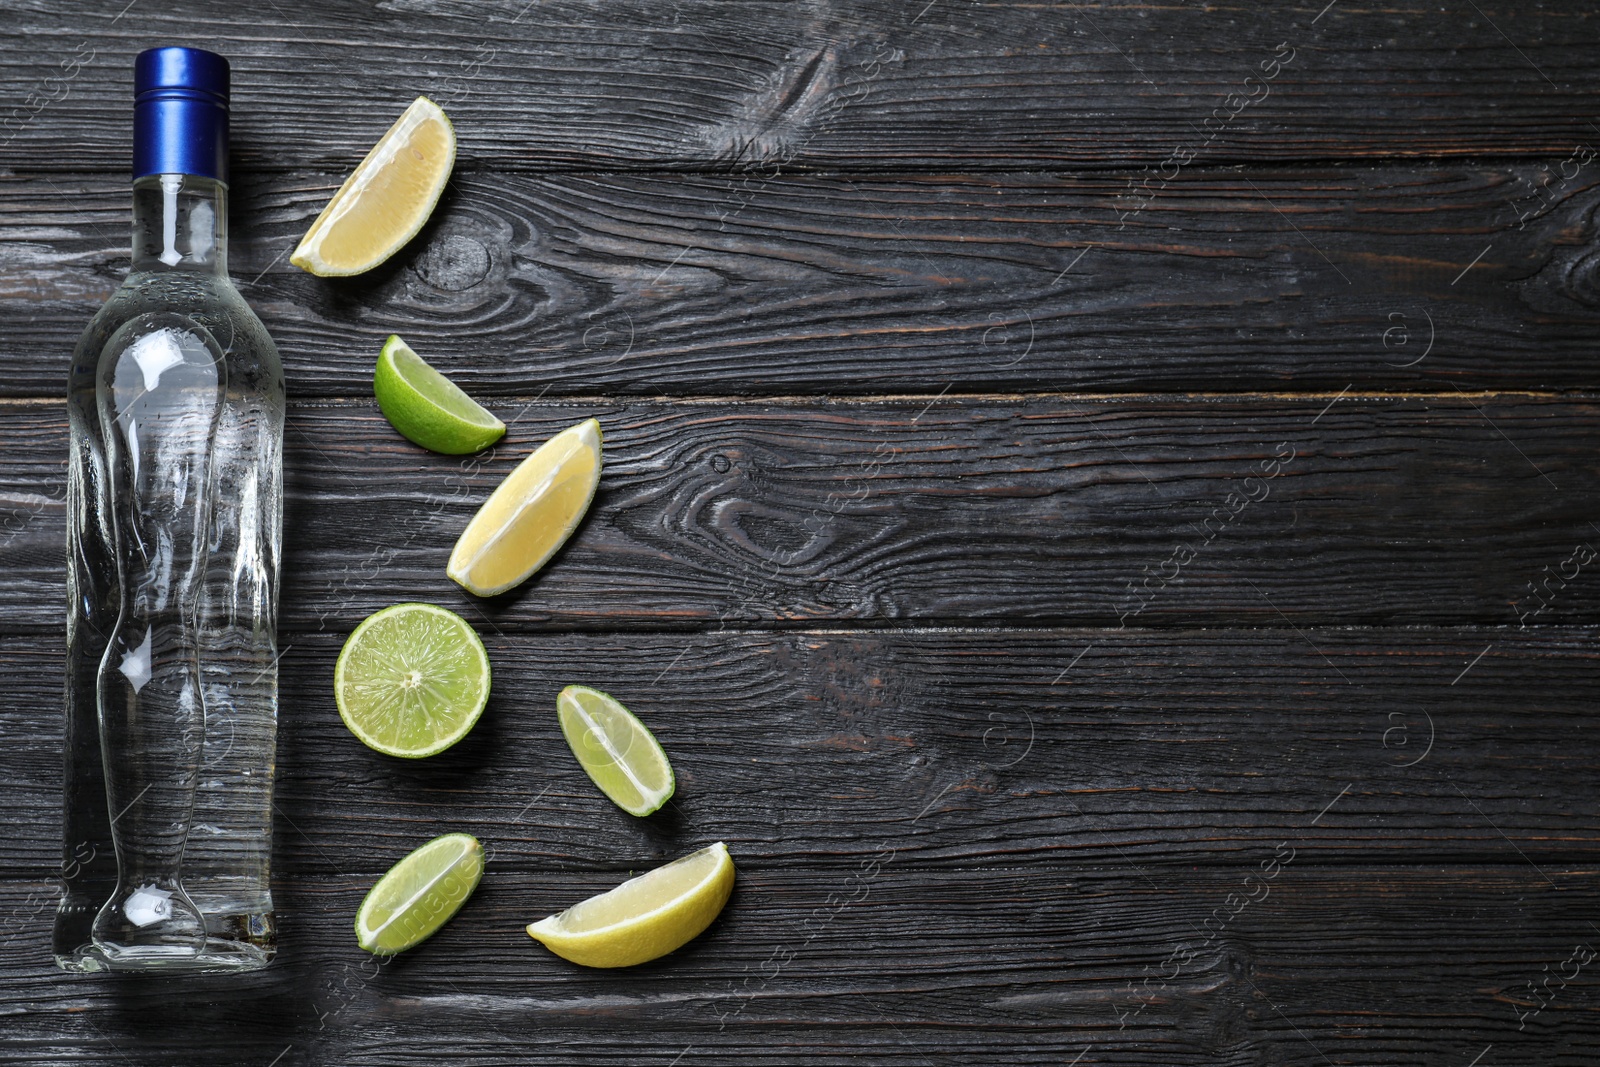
{"x":217,"y":956}
{"x":236,"y":940}
{"x":240,"y":935}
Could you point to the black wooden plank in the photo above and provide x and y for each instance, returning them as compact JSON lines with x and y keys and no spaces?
{"x":1128,"y":511}
{"x":1307,"y":278}
{"x":958,"y":844}
{"x":734,"y":84}
{"x":833,"y":965}
{"x":957,"y":749}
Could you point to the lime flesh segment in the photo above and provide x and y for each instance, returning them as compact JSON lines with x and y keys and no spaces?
{"x":411,"y":680}
{"x":428,"y":408}
{"x":616,"y":750}
{"x":419,"y":894}
{"x":386,"y":199}
{"x":645,"y":917}
{"x":530,"y":515}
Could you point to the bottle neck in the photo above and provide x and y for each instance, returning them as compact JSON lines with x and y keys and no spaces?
{"x":180,"y":222}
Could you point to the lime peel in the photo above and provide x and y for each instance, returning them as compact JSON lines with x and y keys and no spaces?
{"x":437,"y":880}
{"x":428,"y":408}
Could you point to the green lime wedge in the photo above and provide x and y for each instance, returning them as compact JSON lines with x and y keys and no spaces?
{"x":615,"y":749}
{"x":411,"y":680}
{"x":429,"y":408}
{"x":419,"y":894}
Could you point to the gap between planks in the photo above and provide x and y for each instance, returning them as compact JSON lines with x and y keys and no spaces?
{"x":1068,"y":625}
{"x":852,"y":400}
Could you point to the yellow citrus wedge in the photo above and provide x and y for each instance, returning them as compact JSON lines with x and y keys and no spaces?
{"x":386,"y":199}
{"x":644,"y":918}
{"x":530,"y":515}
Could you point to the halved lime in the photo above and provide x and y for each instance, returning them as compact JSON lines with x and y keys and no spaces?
{"x":427,"y":407}
{"x":419,"y":894}
{"x":411,"y":680}
{"x":615,"y":749}
{"x":645,"y":917}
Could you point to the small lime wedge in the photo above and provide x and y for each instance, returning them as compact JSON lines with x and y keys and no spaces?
{"x":419,"y":894}
{"x":411,"y":680}
{"x":615,"y":749}
{"x":530,"y":515}
{"x":645,"y":917}
{"x":429,"y":408}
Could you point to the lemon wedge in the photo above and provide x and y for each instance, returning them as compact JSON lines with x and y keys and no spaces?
{"x":386,"y":199}
{"x":530,"y":515}
{"x":644,"y":918}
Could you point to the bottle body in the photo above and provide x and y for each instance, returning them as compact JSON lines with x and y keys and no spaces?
{"x":176,"y":409}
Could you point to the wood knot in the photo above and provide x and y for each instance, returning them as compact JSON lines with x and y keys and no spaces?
{"x":775,"y":535}
{"x":1582,"y":282}
{"x":454,"y":263}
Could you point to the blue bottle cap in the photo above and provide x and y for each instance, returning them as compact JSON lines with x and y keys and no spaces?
{"x":180,"y":113}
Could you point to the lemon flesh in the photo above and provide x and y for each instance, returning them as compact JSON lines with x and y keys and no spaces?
{"x":428,"y":408}
{"x":419,"y":894}
{"x":616,"y":750}
{"x":386,"y":199}
{"x":644,"y":918}
{"x":411,"y":680}
{"x":530,"y":515}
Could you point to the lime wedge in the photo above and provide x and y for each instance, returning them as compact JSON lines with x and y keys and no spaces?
{"x":530,"y":515}
{"x":386,"y":199}
{"x":617,"y":751}
{"x":643,"y":918}
{"x":428,"y":408}
{"x":411,"y":680}
{"x":419,"y":894}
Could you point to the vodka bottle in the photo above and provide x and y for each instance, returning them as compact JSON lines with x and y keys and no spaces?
{"x":174,"y":516}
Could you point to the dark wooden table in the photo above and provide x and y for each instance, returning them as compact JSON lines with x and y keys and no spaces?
{"x":1099,"y":507}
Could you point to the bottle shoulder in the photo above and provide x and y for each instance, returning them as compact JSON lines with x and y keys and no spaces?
{"x":210,"y":302}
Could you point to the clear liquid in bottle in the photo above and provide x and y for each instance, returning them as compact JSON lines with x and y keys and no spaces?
{"x":176,"y":410}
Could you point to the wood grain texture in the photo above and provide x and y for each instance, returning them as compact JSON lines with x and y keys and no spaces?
{"x":1306,"y":278}
{"x":1050,"y":477}
{"x":1134,"y":511}
{"x":712,"y":83}
{"x":957,"y":749}
{"x":1029,"y":965}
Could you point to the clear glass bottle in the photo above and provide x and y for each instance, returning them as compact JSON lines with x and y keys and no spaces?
{"x":176,"y":410}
